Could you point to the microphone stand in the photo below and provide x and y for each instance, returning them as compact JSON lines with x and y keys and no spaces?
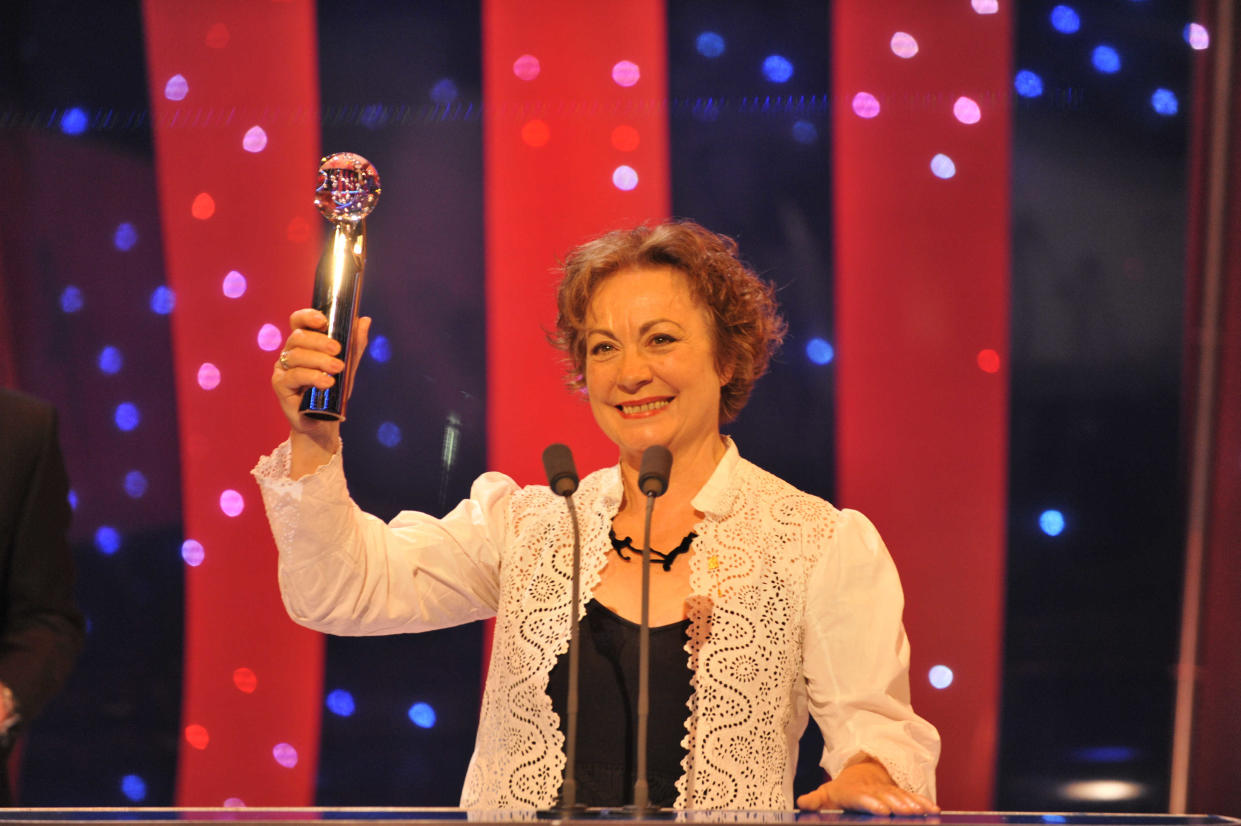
{"x":641,"y":789}
{"x":568,"y":803}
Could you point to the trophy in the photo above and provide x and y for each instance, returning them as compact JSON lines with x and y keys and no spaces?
{"x":348,"y":190}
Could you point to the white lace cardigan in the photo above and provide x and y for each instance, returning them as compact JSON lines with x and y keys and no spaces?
{"x":796,"y":609}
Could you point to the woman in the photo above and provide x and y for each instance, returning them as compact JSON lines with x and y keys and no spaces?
{"x":780,"y":606}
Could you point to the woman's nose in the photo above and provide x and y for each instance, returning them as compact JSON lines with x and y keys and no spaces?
{"x":635,"y":371}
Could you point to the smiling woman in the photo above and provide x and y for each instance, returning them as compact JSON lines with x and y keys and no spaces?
{"x":784,"y":607}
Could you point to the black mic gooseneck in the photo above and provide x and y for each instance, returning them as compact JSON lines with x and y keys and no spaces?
{"x":562,"y":478}
{"x":653,"y":482}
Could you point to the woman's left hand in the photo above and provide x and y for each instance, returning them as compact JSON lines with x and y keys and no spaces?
{"x":866,"y":786}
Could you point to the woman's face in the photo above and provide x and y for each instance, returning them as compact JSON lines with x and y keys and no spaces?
{"x":650,"y":363}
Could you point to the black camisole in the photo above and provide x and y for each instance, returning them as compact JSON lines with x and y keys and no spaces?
{"x":607,"y":722}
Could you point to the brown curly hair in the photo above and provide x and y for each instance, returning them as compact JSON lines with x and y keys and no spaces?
{"x":747,"y":327}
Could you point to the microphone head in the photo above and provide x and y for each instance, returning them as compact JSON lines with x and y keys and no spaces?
{"x":561,"y":474}
{"x":656,"y":466}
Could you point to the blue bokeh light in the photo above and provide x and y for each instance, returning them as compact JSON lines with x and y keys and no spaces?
{"x":940,"y":676}
{"x":943,"y":166}
{"x":1106,"y":754}
{"x":804,"y":132}
{"x":820,"y":351}
{"x":777,"y":68}
{"x":126,"y":416}
{"x":422,"y":715}
{"x":107,"y":539}
{"x":1051,"y":522}
{"x":444,"y":92}
{"x":1164,"y":102}
{"x":134,"y":788}
{"x":709,"y":44}
{"x":135,"y":484}
{"x":1065,"y":20}
{"x":1028,"y":84}
{"x":73,"y":121}
{"x":73,"y":499}
{"x":71,"y":299}
{"x":125,"y":237}
{"x":163,"y":300}
{"x":1106,"y":59}
{"x":1054,"y":819}
{"x":340,"y":703}
{"x":389,"y":434}
{"x":110,"y":360}
{"x":380,"y":349}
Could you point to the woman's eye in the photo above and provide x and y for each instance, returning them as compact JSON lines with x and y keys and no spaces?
{"x":601,"y":348}
{"x":662,"y":338}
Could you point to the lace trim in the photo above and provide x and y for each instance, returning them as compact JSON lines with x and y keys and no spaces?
{"x":283,"y":496}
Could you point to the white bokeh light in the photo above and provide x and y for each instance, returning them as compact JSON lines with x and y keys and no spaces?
{"x":904,"y":45}
{"x":865,"y":105}
{"x":624,"y":177}
{"x":255,"y":139}
{"x":940,"y":676}
{"x":966,"y":110}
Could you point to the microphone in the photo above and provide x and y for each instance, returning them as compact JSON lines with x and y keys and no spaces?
{"x":654,"y":471}
{"x":652,"y":481}
{"x":562,"y":479}
{"x":561,"y":474}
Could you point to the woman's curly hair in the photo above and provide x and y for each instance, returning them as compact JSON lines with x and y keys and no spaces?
{"x":746,"y":325}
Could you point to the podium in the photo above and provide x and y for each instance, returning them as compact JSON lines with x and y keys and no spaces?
{"x":589,"y":817}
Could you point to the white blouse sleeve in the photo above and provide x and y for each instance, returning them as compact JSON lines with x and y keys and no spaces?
{"x":857,"y":660}
{"x":343,"y":571}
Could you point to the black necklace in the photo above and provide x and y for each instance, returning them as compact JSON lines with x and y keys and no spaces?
{"x":665,"y":559}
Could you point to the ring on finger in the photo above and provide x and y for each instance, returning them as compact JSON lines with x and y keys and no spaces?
{"x":284,"y":360}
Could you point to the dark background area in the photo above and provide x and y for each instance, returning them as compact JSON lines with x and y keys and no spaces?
{"x":1099,"y":207}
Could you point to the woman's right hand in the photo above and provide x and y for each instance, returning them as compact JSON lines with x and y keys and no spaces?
{"x":309,"y":359}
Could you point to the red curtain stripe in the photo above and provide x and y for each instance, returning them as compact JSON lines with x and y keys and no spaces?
{"x":234,"y":92}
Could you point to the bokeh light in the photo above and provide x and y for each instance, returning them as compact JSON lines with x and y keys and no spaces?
{"x":126,"y":416}
{"x":985,"y":6}
{"x":197,"y":736}
{"x":526,"y":67}
{"x":966,"y":110}
{"x":777,"y":68}
{"x":989,"y":361}
{"x":73,"y":499}
{"x":380,"y":349}
{"x":904,"y":45}
{"x":245,"y":679}
{"x":255,"y":139}
{"x":134,"y":788}
{"x":1028,"y":84}
{"x":389,"y":434}
{"x":804,"y":132}
{"x":203,"y":206}
{"x":217,"y":36}
{"x":1065,"y":20}
{"x":865,"y":105}
{"x":232,"y":503}
{"x":176,"y":88}
{"x":110,"y":360}
{"x":422,"y":715}
{"x":125,"y":237}
{"x":71,"y":299}
{"x":444,"y":92}
{"x":163,"y":300}
{"x":135,"y":484}
{"x":234,"y":803}
{"x":940,"y":676}
{"x":192,"y":552}
{"x":208,"y":376}
{"x":626,"y":73}
{"x":107,"y":540}
{"x":1164,"y":102}
{"x":709,"y":44}
{"x":943,"y":166}
{"x":624,"y":178}
{"x":269,"y":337}
{"x":625,"y":138}
{"x":819,"y":351}
{"x":535,"y":133}
{"x":1106,"y":59}
{"x":1051,"y":522}
{"x":234,"y":285}
{"x":73,"y":121}
{"x":285,"y":755}
{"x":340,"y":703}
{"x":1197,"y":36}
